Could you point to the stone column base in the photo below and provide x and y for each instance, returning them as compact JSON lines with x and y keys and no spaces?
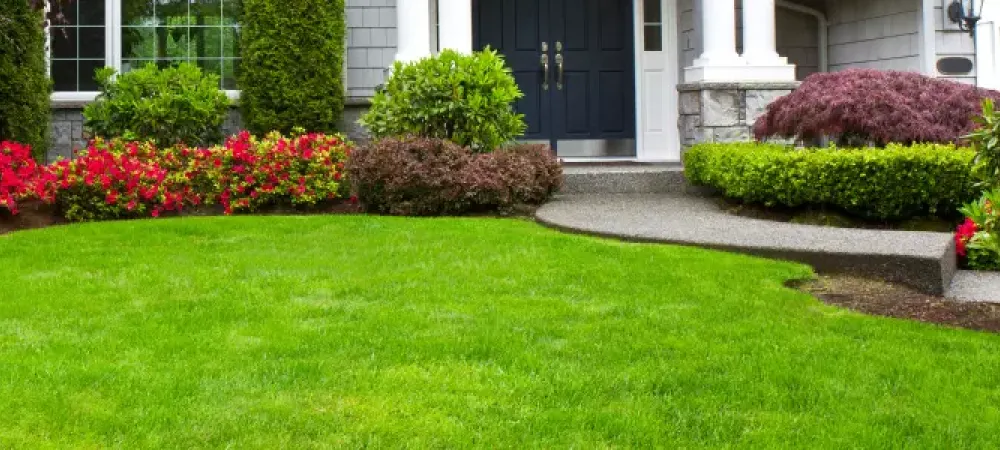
{"x":724,"y":112}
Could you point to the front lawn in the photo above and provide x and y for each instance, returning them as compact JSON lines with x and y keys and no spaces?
{"x":351,"y":331}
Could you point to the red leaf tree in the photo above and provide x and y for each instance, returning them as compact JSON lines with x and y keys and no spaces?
{"x":875,"y":107}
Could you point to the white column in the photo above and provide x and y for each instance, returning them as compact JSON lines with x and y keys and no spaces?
{"x":760,"y":43}
{"x":455,"y":25}
{"x":718,"y":61}
{"x":413,"y":30}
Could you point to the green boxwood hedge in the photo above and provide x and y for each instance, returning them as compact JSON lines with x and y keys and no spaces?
{"x":892,"y":183}
{"x":292,"y":71}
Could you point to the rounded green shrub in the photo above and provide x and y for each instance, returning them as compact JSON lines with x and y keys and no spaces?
{"x":467,"y":99}
{"x":291,"y":74}
{"x":24,"y":82}
{"x":166,"y":106}
{"x":892,"y":183}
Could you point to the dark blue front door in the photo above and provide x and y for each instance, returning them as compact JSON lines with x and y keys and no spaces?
{"x":574,"y":62}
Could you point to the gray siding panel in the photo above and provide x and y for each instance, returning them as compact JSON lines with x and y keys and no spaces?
{"x":881,"y":34}
{"x":371,"y":45}
{"x":951,"y":41}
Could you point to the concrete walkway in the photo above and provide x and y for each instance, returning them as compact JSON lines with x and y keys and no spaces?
{"x":923,"y":260}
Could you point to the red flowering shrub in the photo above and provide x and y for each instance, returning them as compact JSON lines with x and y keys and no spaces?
{"x":872,"y":106}
{"x":115,"y":180}
{"x":426,"y":176}
{"x":20,"y":176}
{"x":248,"y":173}
{"x":976,"y":239}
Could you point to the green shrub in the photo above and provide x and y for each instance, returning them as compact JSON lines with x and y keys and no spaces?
{"x":891,"y":183}
{"x":291,"y":74}
{"x":467,"y":99}
{"x":169,"y":106}
{"x":430,"y":176}
{"x":24,"y":82}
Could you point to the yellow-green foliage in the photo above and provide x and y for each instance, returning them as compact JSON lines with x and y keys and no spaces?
{"x":895,"y":182}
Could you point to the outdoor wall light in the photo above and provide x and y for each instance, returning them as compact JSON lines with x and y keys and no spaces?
{"x":963,"y":12}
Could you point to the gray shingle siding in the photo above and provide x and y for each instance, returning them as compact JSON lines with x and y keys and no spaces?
{"x":371,"y":45}
{"x":882,"y":34}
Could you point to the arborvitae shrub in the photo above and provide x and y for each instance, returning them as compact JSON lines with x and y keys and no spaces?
{"x":291,"y":73}
{"x":24,"y":83}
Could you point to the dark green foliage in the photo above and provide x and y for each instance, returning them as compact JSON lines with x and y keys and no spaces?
{"x":24,"y":84}
{"x":428,"y":176}
{"x":169,"y":106}
{"x":891,"y":183}
{"x":986,"y":141}
{"x":292,"y":69}
{"x":468,"y":99}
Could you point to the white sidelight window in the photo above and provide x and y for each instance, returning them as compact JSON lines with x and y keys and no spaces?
{"x":128,"y":34}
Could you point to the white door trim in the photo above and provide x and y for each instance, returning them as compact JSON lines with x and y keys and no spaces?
{"x":657,"y":115}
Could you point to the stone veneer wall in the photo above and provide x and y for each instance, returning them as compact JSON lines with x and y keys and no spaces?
{"x":724,"y":112}
{"x":67,"y":127}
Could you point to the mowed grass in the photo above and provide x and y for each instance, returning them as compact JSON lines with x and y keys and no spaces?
{"x":315,"y":332}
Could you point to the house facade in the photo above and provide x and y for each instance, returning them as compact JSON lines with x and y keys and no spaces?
{"x":603,"y":79}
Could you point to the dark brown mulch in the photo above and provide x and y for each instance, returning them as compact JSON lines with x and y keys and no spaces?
{"x":832,"y":218}
{"x":32,"y":214}
{"x":891,"y":300}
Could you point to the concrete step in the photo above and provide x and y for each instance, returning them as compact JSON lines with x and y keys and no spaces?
{"x":975,"y":286}
{"x":623,"y":178}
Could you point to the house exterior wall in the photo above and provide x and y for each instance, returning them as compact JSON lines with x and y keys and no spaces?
{"x":874,"y":34}
{"x":798,"y":40}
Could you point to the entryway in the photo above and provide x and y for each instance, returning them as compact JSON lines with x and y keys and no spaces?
{"x":574,"y":60}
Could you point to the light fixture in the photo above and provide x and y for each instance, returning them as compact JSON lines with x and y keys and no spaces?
{"x":965,"y":16}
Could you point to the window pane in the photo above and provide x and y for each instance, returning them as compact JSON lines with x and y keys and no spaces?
{"x":138,"y":43}
{"x":63,"y":75}
{"x":653,"y":38}
{"x":138,"y":12}
{"x":64,"y":42}
{"x":230,"y":72}
{"x":172,"y":42}
{"x":206,"y":42}
{"x":91,"y":42}
{"x":231,"y":12}
{"x":651,"y":11}
{"x":172,"y":12}
{"x":91,"y":11}
{"x":210,"y":66}
{"x":87,"y":69}
{"x":206,"y":12}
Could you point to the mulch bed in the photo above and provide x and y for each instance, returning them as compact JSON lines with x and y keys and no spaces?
{"x":892,"y":300}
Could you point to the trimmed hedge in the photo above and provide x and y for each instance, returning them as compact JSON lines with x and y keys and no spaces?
{"x":428,"y":177}
{"x":892,"y":183}
{"x":291,"y":73}
{"x":24,"y":83}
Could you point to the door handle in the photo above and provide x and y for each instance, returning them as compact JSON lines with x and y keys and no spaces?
{"x":545,"y":66}
{"x":559,"y":67}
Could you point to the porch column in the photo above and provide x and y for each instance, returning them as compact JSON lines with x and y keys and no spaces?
{"x":455,"y":25}
{"x":759,"y":43}
{"x":718,"y":61}
{"x":413,"y":29}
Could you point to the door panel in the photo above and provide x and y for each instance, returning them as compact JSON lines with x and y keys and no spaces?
{"x":516,"y":29}
{"x":592,"y":99}
{"x":599,"y":88}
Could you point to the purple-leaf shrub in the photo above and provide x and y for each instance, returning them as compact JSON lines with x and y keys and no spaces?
{"x":875,"y":106}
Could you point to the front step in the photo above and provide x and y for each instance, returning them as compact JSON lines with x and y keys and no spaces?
{"x":623,"y":179}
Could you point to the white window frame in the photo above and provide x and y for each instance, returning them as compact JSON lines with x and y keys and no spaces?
{"x":112,"y":56}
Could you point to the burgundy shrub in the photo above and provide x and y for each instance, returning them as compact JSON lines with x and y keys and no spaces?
{"x":426,"y":176}
{"x":875,"y":106}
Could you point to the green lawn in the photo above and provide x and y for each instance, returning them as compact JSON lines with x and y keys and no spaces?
{"x":353,"y":331}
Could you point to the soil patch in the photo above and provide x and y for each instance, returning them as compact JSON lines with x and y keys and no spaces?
{"x":833,"y":218}
{"x":31,"y":214}
{"x":892,"y":300}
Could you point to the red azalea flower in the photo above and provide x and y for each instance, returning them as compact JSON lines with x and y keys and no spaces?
{"x":963,"y":235}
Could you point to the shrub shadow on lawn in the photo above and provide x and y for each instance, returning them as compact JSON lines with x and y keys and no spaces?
{"x":893,"y":300}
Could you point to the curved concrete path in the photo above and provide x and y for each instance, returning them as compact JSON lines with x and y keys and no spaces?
{"x":923,"y":260}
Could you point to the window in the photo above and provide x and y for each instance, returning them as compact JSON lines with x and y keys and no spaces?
{"x":162,"y":32}
{"x":652,"y":29}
